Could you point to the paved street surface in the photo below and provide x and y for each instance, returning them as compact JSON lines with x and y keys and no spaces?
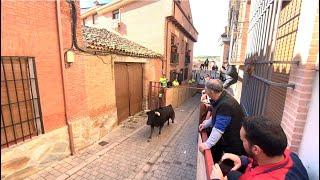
{"x":126,"y":152}
{"x":179,"y":160}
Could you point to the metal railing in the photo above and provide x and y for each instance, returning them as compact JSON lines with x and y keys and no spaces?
{"x":174,"y":57}
{"x":187,"y":59}
{"x":157,"y":95}
{"x":208,"y":160}
{"x":20,"y":102}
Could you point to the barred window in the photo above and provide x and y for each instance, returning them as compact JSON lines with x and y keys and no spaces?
{"x":20,"y":104}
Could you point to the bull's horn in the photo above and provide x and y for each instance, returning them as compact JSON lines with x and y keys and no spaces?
{"x":157,"y":113}
{"x":147,"y":110}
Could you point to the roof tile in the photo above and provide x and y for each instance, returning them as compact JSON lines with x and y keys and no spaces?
{"x":104,"y":40}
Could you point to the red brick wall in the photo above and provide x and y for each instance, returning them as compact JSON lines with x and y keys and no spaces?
{"x":297,"y":100}
{"x":29,"y":28}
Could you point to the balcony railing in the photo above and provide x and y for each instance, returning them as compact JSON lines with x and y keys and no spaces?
{"x":174,"y":57}
{"x":187,"y":59}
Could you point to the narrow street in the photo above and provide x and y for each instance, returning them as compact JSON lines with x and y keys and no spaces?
{"x":128,"y":154}
{"x":179,"y":160}
{"x":79,"y":76}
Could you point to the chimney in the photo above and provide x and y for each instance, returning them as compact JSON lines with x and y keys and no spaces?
{"x":96,"y":3}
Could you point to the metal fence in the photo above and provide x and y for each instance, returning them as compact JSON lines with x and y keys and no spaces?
{"x":258,"y":96}
{"x":20,"y":102}
{"x":157,"y":95}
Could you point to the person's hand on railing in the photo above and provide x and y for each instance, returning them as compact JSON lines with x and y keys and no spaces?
{"x":234,"y":158}
{"x":201,"y":127}
{"x":202,"y":147}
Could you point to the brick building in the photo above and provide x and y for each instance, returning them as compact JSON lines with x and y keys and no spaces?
{"x":279,"y":70}
{"x":55,"y":103}
{"x":168,"y":31}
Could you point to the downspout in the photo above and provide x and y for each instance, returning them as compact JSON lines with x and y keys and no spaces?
{"x":231,"y":38}
{"x":71,"y":143}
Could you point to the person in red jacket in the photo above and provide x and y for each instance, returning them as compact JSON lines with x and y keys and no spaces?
{"x":266,"y":144}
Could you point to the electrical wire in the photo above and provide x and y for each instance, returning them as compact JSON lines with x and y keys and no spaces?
{"x":74,"y":44}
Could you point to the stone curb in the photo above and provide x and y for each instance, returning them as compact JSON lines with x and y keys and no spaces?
{"x":156,"y":156}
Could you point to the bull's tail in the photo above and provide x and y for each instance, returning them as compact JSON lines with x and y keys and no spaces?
{"x":173,"y":116}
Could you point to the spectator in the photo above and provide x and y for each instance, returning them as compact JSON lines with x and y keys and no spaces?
{"x":207,"y":78}
{"x":265,"y":142}
{"x":226,"y":121}
{"x":205,"y":103}
{"x":206,"y":64}
{"x":231,"y":76}
{"x":214,"y":66}
{"x":223,"y":71}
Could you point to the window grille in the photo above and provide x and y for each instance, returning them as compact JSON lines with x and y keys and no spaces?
{"x":21,"y":117}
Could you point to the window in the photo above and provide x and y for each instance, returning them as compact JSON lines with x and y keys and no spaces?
{"x":180,"y":76}
{"x":94,"y":18}
{"x":187,"y":48}
{"x":116,"y":14}
{"x":20,"y":104}
{"x":173,"y":75}
{"x":173,"y":37}
{"x":185,"y":74}
{"x":187,"y":54}
{"x":174,"y":50}
{"x":84,"y":21}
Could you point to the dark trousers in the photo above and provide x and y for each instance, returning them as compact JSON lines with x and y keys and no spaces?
{"x":228,"y":82}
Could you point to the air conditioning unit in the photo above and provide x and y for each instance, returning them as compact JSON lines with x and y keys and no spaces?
{"x":115,"y":24}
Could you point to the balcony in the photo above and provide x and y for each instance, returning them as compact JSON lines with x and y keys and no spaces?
{"x":180,"y":19}
{"x":174,"y":58}
{"x":187,"y":59}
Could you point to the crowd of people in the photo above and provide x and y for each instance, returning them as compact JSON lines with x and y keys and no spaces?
{"x":257,"y":146}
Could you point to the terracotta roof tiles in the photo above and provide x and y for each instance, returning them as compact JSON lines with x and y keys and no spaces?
{"x":104,"y":40}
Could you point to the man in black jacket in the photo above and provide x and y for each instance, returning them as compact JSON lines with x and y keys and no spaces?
{"x":231,"y":76}
{"x":225,"y":121}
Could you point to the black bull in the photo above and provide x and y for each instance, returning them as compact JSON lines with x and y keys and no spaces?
{"x":157,"y":117}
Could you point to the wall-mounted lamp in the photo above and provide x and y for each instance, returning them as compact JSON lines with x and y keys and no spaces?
{"x":70,"y":56}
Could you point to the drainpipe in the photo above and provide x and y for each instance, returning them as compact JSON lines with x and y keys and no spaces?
{"x":71,"y":142}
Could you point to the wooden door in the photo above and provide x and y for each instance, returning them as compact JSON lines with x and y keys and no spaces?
{"x":122,"y":91}
{"x":135,"y":87}
{"x":129,"y":84}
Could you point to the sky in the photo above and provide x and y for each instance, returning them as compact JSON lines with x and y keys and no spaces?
{"x":89,"y":3}
{"x":209,"y":18}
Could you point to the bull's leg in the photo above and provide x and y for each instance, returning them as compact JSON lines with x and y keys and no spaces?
{"x":152,"y":127}
{"x":168,"y":121}
{"x":160,"y":127}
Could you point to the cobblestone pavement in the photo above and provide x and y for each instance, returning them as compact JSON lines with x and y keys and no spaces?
{"x":128,"y":154}
{"x":179,"y":159}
